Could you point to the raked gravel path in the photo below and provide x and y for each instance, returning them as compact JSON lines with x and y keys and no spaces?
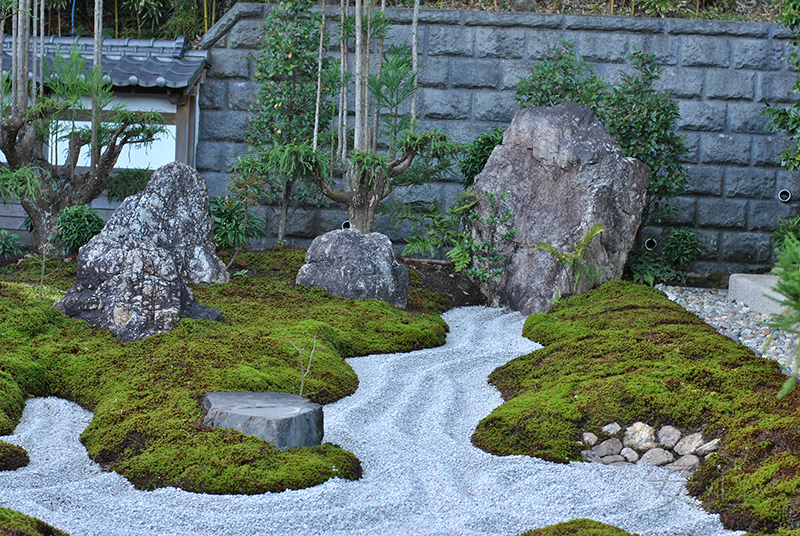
{"x":410,"y":423}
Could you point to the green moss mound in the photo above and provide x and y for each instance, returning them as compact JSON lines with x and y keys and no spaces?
{"x":146,"y":395}
{"x":578,"y":527}
{"x":625,"y":353}
{"x":13,"y":523}
{"x":12,"y":457}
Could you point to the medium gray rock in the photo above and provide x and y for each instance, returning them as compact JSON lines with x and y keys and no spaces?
{"x":611,"y":428}
{"x":133,"y":278}
{"x":630,"y":455}
{"x":689,"y":444}
{"x":283,"y":419}
{"x":656,"y":457}
{"x":609,"y":447}
{"x":669,"y":436}
{"x":685,"y":464}
{"x":640,"y":436}
{"x":353,"y":265}
{"x":609,"y":460}
{"x":620,"y":463}
{"x":590,"y":456}
{"x":707,"y":448}
{"x":589,"y":438}
{"x":563,"y":173}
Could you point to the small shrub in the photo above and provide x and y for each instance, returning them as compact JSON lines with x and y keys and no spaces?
{"x":785,"y":228}
{"x":650,"y":267}
{"x":76,"y":226}
{"x":127,"y":182}
{"x":9,"y":244}
{"x":682,"y":247}
{"x":477,"y":153}
{"x":234,"y":223}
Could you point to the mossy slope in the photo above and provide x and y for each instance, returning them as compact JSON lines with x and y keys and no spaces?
{"x":625,"y":353}
{"x":147,"y":395}
{"x":12,"y":457}
{"x":14,"y":523}
{"x":578,"y":527}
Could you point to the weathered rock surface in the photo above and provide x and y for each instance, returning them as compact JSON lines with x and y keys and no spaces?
{"x":353,"y":265}
{"x":609,"y":447}
{"x":707,"y":448}
{"x":685,"y":464}
{"x":611,"y":428}
{"x":689,"y":444}
{"x":563,"y":173}
{"x":656,"y":457}
{"x":630,"y":455}
{"x":640,"y":436}
{"x":589,"y":439}
{"x":283,"y":419}
{"x":669,"y":436}
{"x":133,"y":278}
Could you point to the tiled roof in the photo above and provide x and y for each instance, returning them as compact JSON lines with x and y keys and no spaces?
{"x":133,"y":62}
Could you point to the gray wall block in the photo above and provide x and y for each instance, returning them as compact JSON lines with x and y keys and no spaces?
{"x":701,"y":51}
{"x":750,"y":183}
{"x":718,"y":212}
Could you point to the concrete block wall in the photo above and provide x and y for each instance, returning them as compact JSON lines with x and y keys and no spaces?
{"x":720,"y":72}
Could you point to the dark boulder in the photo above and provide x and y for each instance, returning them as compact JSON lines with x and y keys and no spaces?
{"x":133,"y":278}
{"x":354,"y":265}
{"x":563,"y":173}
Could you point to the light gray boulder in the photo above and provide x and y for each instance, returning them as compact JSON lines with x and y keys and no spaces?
{"x":640,"y":436}
{"x":708,"y":448}
{"x":689,"y":444}
{"x":609,"y":447}
{"x":630,"y":454}
{"x":656,"y":456}
{"x":563,"y":173}
{"x":283,"y":419}
{"x":133,"y":277}
{"x":685,"y":464}
{"x":669,"y":436}
{"x":354,"y":265}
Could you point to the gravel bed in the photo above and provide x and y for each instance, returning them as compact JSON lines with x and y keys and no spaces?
{"x":410,"y":423}
{"x":735,"y":320}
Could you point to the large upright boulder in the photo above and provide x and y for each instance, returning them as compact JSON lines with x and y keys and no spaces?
{"x":133,"y":278}
{"x":354,"y":265}
{"x":563,"y":173}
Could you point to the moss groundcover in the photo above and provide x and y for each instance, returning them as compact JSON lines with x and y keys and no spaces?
{"x":147,"y":395}
{"x":625,"y":353}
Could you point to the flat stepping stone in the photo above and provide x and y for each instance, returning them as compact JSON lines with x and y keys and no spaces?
{"x":283,"y":419}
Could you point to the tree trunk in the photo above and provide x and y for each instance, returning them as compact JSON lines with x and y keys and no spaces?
{"x":361,"y":211}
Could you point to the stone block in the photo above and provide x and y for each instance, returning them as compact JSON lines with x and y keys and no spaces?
{"x":726,"y":84}
{"x":283,"y":419}
{"x":512,"y":71}
{"x":718,"y":212}
{"x":692,"y":143}
{"x":231,"y":151}
{"x":475,"y":73}
{"x":433,"y":16}
{"x":758,"y":54}
{"x":496,"y":106}
{"x":433,"y":73}
{"x":704,"y":180}
{"x":602,"y":47}
{"x":241,"y":94}
{"x":749,"y":182}
{"x":777,"y":87}
{"x":746,"y":248}
{"x":500,"y":43}
{"x":209,"y":156}
{"x":768,"y":148}
{"x":746,"y":117}
{"x":247,"y":34}
{"x":682,"y":83}
{"x":725,"y":149}
{"x":529,"y":20}
{"x":451,"y":41}
{"x":709,"y":244}
{"x":665,"y":48}
{"x":704,"y":51}
{"x":684,"y":211}
{"x":540,"y":40}
{"x":765,"y":215}
{"x":227,"y":63}
{"x":223,"y":125}
{"x":445,"y":104}
{"x":612,"y":24}
{"x":213,"y":93}
{"x":725,"y":29}
{"x":701,"y":115}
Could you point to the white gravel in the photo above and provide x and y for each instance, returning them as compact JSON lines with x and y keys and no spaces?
{"x":409,"y":423}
